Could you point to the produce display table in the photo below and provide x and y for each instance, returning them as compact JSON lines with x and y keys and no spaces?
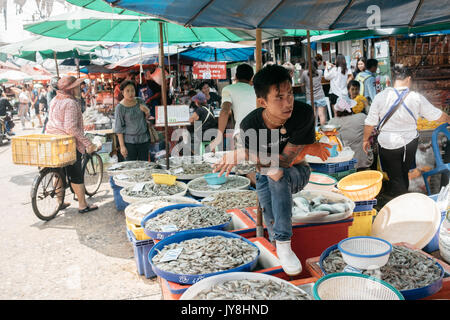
{"x":312,"y":266}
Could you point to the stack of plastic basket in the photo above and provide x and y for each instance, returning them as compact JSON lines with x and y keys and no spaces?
{"x":337,"y":170}
{"x":362,"y":187}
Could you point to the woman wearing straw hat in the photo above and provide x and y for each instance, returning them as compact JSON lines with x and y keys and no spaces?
{"x":65,"y":118}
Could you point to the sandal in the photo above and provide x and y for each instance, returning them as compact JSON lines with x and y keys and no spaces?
{"x":88,"y":208}
{"x":64,"y":206}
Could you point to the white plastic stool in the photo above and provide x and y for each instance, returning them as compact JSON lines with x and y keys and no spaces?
{"x":330,"y":114}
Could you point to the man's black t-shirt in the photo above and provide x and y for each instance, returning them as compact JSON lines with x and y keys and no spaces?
{"x":300,"y":129}
{"x":205,"y":113}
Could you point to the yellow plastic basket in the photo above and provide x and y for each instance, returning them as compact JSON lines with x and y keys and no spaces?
{"x":138,"y":231}
{"x":44,"y":150}
{"x":161,"y":178}
{"x":361,"y":186}
{"x":362,"y":223}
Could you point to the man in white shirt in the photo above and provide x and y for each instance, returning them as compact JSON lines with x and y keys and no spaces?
{"x":238,"y":99}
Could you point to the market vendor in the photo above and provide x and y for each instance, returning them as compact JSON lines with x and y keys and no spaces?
{"x":283,"y":129}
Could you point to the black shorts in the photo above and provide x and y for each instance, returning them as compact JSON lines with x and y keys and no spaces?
{"x":333,"y":99}
{"x":75,"y":172}
{"x":36,"y":109}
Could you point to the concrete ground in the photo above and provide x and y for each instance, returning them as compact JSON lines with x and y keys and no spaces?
{"x":74,"y":256}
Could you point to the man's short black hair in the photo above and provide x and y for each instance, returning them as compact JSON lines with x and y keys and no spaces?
{"x":244,"y":72}
{"x":371,"y":63}
{"x":128,"y":83}
{"x":354,"y":83}
{"x":192,"y":93}
{"x":269,"y":76}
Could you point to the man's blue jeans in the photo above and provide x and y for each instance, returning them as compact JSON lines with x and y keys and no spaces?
{"x":275,"y":199}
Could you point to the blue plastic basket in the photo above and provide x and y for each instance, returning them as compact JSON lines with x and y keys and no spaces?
{"x":118,"y":200}
{"x":194,"y":234}
{"x":433,"y":245}
{"x":141,"y":249}
{"x":413,"y":294}
{"x":159,"y":235}
{"x":333,"y":167}
{"x":364,"y":205}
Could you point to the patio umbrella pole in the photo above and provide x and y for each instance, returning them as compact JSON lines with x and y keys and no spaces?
{"x":310,"y":70}
{"x":56,"y":63}
{"x":163,"y":90}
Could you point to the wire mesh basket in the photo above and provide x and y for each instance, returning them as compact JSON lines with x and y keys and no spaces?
{"x":353,"y":286}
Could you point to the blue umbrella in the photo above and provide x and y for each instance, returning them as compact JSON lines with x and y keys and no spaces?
{"x":228,"y":52}
{"x":294,"y":14}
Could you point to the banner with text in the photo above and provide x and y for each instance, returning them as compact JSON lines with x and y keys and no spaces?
{"x":209,"y":70}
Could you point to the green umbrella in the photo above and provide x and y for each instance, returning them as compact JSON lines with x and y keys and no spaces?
{"x":86,"y":25}
{"x":47,"y":47}
{"x":99,"y":5}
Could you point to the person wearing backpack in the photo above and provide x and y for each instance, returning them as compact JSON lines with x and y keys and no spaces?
{"x":394,"y":112}
{"x":366,"y":80}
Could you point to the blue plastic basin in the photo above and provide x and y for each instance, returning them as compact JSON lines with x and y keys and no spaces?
{"x":159,"y":235}
{"x":214,"y":179}
{"x":194,"y":234}
{"x":413,"y":294}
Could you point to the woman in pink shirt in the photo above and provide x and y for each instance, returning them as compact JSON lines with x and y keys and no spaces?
{"x":65,"y":118}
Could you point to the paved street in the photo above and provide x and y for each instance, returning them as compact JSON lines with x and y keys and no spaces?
{"x":74,"y":256}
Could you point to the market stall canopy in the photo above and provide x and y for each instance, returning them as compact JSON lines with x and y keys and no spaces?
{"x":8,"y":66}
{"x":293,"y":14}
{"x":14,"y":75}
{"x":72,"y":62}
{"x":149,"y":56}
{"x":386,"y":32}
{"x":45,"y":46}
{"x":87,"y":25}
{"x":99,"y":5}
{"x":221,"y":51}
{"x":93,"y":68}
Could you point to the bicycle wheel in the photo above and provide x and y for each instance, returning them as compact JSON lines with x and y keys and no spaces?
{"x":93,"y":173}
{"x":47,"y":193}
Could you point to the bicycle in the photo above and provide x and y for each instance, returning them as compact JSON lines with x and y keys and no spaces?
{"x":49,"y":186}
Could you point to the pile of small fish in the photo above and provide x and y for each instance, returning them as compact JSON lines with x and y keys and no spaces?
{"x":233,"y":200}
{"x":207,"y":255}
{"x":252,"y":290}
{"x":139,"y":210}
{"x":131,"y":165}
{"x":178,"y":161}
{"x":192,"y":168}
{"x":233,"y":182}
{"x":152,"y":189}
{"x":245,"y":168}
{"x":188,"y":218}
{"x":406,"y":269}
{"x":140,"y":176}
{"x":304,"y":206}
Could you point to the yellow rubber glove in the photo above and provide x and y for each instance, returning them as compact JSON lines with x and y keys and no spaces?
{"x":317,"y":149}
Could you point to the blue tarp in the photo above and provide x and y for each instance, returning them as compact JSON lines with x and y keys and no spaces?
{"x":294,"y":14}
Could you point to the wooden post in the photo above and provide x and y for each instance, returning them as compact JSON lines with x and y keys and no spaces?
{"x":258,"y":49}
{"x":56,"y":63}
{"x":163,"y":90}
{"x":310,"y":69}
{"x":258,"y":58}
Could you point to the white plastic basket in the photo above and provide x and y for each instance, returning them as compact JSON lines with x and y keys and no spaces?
{"x":365,"y":252}
{"x":352,"y":286}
